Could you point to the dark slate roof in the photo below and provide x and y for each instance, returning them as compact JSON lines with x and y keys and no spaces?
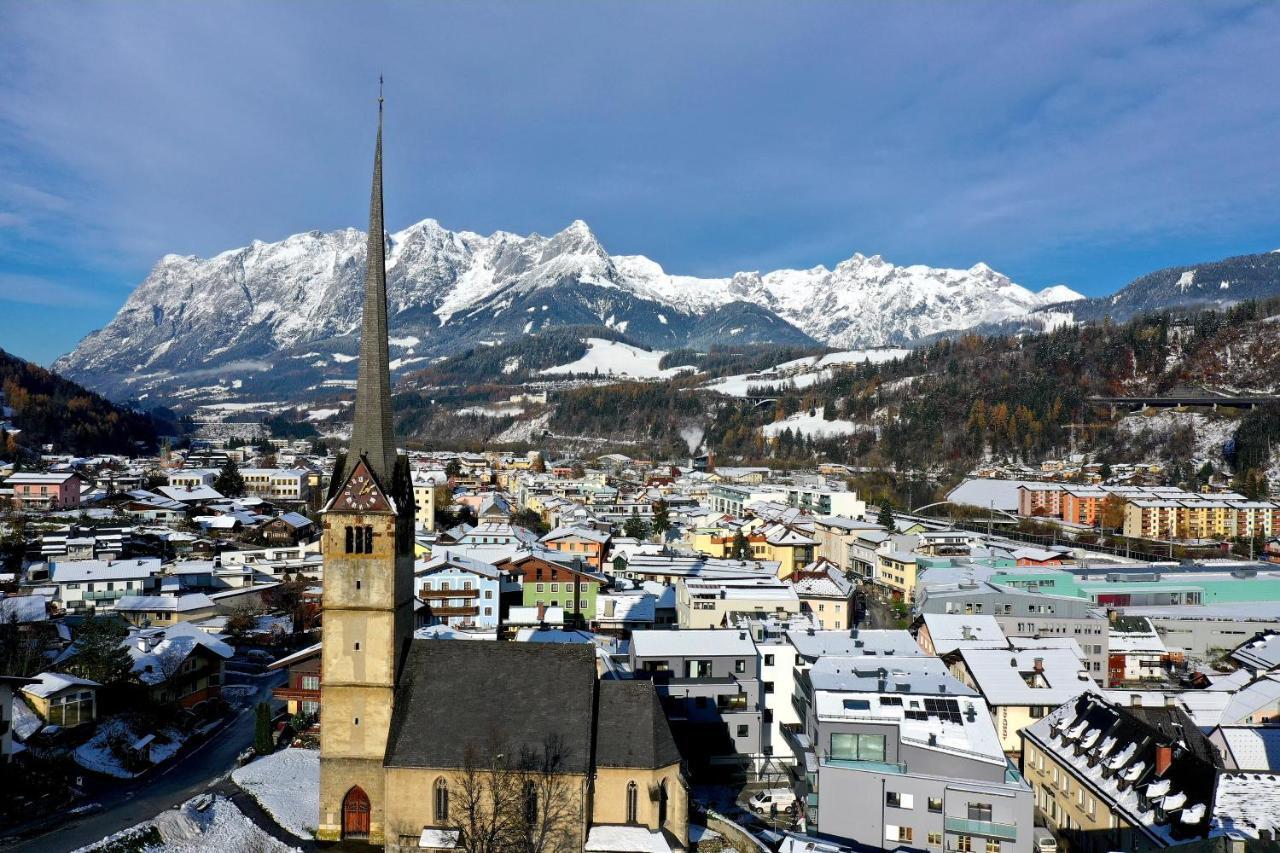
{"x":458,"y":693}
{"x":632,"y":729}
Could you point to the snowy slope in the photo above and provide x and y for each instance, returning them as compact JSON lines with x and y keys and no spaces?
{"x":613,"y":358}
{"x":198,"y":322}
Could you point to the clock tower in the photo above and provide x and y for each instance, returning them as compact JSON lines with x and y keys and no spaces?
{"x":368,"y":576}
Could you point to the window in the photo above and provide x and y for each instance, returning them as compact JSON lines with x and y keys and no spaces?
{"x":993,"y":845}
{"x":310,"y":682}
{"x":768,"y":687}
{"x":980,"y":811}
{"x":935,"y":805}
{"x":935,"y":839}
{"x":359,"y":539}
{"x":768,"y":660}
{"x":739,"y":665}
{"x":442,"y":801}
{"x":897,"y":833}
{"x":555,"y":587}
{"x":632,"y":802}
{"x":357,"y":647}
{"x":1036,"y":711}
{"x":744,"y":731}
{"x":857,"y":747}
{"x":964,"y":843}
{"x":899,"y":800}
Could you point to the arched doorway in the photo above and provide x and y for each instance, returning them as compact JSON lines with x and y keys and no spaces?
{"x":355,"y":814}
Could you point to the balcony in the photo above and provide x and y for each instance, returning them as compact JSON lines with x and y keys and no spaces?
{"x":987,"y":828}
{"x":865,"y":766}
{"x":429,"y":594}
{"x":445,"y":612}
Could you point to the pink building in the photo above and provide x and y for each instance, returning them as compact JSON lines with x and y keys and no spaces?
{"x":1043,"y":499}
{"x":60,"y":490}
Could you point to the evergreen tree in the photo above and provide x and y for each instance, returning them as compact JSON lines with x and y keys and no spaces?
{"x":885,"y":519}
{"x":229,"y":483}
{"x":661,"y":520}
{"x":263,"y":742}
{"x":99,"y":655}
{"x":453,"y":468}
{"x":635,"y":527}
{"x":539,"y":465}
{"x":741,"y":549}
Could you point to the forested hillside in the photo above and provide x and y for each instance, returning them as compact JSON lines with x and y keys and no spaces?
{"x":48,"y":409}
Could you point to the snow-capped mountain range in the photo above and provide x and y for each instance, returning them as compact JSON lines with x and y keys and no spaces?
{"x":282,"y":316}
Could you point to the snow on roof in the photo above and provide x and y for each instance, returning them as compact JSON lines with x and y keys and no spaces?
{"x":1261,"y":693}
{"x":951,"y":631}
{"x":813,"y":644}
{"x":190,"y":493}
{"x":1261,"y":653}
{"x":439,"y":839}
{"x":1247,"y":803}
{"x":1002,"y":494}
{"x":24,"y":608}
{"x":625,"y":839}
{"x":51,"y":683}
{"x":576,"y":532}
{"x":1010,"y":678}
{"x":713,"y":641}
{"x":290,"y":660}
{"x":530,"y":616}
{"x":1252,"y":747}
{"x":448,"y":560}
{"x":152,"y":649}
{"x":1136,"y":642}
{"x":175,"y":603}
{"x":103,"y":570}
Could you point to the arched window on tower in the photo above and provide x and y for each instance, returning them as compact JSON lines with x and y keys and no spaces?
{"x":632,"y":802}
{"x":442,"y":801}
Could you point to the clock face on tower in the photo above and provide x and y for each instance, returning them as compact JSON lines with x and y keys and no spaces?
{"x":361,"y":493}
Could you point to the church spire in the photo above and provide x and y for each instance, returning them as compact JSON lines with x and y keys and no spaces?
{"x":372,"y":435}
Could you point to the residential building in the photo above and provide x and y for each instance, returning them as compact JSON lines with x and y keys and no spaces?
{"x":709,"y":684}
{"x":63,"y":700}
{"x":99,"y":584}
{"x":1024,"y":613}
{"x":822,"y":500}
{"x":458,"y":591}
{"x":287,"y":484}
{"x":145,"y":611}
{"x":894,"y":753}
{"x":590,"y":545}
{"x":896,"y":571}
{"x":301,"y":692}
{"x":825,"y":595}
{"x":1020,"y":687}
{"x":179,"y":664}
{"x":711,"y":602}
{"x":52,"y":491}
{"x":1110,"y":778}
{"x":553,"y":579}
{"x":835,"y":534}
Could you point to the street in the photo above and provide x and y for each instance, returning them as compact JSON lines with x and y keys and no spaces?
{"x":128,"y":803}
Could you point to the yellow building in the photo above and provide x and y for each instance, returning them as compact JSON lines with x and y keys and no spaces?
{"x":897,"y":571}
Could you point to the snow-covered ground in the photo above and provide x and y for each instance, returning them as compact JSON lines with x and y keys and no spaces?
{"x":25,"y":721}
{"x":287,"y":785}
{"x":495,"y":411}
{"x":219,"y":828}
{"x":1212,"y":433}
{"x":611,"y":358}
{"x":321,"y":414}
{"x":524,"y":430}
{"x":803,"y":423}
{"x":95,"y":754}
{"x":803,"y":372}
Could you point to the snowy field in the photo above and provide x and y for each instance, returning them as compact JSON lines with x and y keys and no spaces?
{"x":611,"y":358}
{"x":813,"y":426}
{"x":287,"y":785}
{"x":803,"y":372}
{"x":494,"y":411}
{"x":217,"y":828}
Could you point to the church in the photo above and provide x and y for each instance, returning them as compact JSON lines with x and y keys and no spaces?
{"x":462,"y":744}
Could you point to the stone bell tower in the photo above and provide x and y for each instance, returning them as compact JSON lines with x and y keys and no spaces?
{"x":368,"y":575}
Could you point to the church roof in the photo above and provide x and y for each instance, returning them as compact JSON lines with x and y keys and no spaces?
{"x":632,"y":730}
{"x":454,"y":695}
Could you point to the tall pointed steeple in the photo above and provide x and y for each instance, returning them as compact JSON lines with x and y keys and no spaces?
{"x":372,"y":435}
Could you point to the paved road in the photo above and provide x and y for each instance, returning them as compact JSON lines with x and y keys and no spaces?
{"x":133,"y":803}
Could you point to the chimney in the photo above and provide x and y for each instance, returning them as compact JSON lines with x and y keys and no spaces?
{"x":1164,"y":757}
{"x":1113,"y":615}
{"x":1038,"y":665}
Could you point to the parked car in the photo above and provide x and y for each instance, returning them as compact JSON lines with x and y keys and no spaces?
{"x":1044,"y":841}
{"x":767,"y":802}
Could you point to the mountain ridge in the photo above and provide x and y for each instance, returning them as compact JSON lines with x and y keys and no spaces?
{"x":247,"y":311}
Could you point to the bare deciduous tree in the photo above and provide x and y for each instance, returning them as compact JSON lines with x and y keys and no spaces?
{"x":518,"y":801}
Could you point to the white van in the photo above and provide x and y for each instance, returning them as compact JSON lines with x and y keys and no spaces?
{"x":1044,"y":841}
{"x":766,"y":802}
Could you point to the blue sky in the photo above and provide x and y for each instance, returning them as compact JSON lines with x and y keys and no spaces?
{"x":1081,"y":144}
